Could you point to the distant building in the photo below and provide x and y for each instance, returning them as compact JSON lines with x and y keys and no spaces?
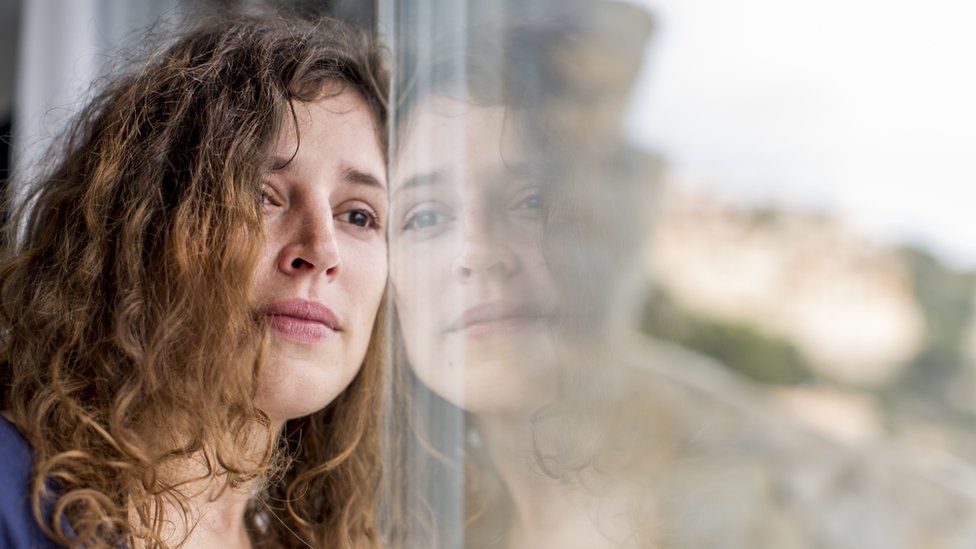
{"x":846,"y":302}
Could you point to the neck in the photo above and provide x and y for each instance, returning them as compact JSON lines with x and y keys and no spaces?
{"x":551,"y":513}
{"x":215,"y":511}
{"x":539,"y":499}
{"x":214,"y":517}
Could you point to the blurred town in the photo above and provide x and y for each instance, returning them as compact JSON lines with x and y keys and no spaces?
{"x":858,"y":339}
{"x":862,"y":340}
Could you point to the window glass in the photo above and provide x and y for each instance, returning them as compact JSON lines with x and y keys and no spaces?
{"x":681,"y":274}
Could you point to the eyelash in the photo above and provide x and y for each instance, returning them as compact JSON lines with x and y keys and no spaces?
{"x":412,"y":219}
{"x":374,"y":222}
{"x":524,"y":203}
{"x":268,"y":199}
{"x":531,"y":202}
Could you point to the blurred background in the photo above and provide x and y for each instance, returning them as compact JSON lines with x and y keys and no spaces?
{"x":52,"y":52}
{"x":808,"y":230}
{"x":815,"y":231}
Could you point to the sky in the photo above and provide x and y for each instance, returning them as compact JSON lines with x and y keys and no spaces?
{"x":862,"y":108}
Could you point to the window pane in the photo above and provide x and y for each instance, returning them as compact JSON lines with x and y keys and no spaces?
{"x":681,"y":274}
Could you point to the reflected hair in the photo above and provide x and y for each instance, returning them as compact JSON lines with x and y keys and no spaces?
{"x":129,"y":342}
{"x":593,"y":228}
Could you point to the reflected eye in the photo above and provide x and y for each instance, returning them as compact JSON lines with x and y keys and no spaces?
{"x":425,"y":220}
{"x":531,"y":202}
{"x":360,"y":218}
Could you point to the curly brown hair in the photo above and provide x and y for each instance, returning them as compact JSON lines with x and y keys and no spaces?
{"x":129,"y":343}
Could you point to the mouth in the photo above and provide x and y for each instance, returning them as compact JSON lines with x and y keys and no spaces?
{"x":302,"y":321}
{"x":496,"y":319}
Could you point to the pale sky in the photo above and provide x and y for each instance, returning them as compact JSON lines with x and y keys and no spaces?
{"x":866,"y":108}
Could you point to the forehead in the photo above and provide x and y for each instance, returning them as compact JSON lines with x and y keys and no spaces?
{"x":446,"y":135}
{"x":337,"y":127}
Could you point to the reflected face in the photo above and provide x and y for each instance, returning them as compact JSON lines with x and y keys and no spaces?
{"x":322,"y":271}
{"x":472,"y":289}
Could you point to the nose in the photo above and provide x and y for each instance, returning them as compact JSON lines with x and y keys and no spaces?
{"x":312,"y":248}
{"x":485,"y":251}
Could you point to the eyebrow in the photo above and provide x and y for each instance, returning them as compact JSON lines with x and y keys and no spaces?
{"x":420,"y":180}
{"x":279,"y":163}
{"x":359,"y":177}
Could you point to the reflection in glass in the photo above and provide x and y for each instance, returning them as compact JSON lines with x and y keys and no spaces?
{"x":545,"y":394}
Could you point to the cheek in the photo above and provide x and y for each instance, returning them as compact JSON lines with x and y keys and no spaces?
{"x":421,"y":275}
{"x":265,"y":266}
{"x":366,"y":276}
{"x":263,"y":274}
{"x":536,"y":278}
{"x":426,"y":265}
{"x":534,"y":264}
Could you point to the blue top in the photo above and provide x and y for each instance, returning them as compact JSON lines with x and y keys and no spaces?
{"x":18,"y":529}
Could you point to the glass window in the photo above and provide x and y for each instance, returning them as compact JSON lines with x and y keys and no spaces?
{"x":681,"y":274}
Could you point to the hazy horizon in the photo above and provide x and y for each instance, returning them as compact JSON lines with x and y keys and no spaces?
{"x":859,"y":108}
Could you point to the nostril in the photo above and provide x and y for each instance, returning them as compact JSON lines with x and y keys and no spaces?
{"x":297,"y":263}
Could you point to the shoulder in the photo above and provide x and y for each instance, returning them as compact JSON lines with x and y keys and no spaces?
{"x":17,"y":525}
{"x":15,"y":453}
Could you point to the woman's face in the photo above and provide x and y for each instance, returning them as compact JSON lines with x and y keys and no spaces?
{"x":472,"y":290}
{"x":323,"y":267}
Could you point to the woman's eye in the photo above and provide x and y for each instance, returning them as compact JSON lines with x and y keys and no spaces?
{"x":425,"y":220}
{"x":533,"y":202}
{"x":359,"y":218}
{"x":269,"y":198}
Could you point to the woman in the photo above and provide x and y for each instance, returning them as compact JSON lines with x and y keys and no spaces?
{"x":191,"y":304}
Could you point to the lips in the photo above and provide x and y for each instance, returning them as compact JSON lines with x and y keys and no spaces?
{"x":302,"y":321}
{"x":495,"y":318}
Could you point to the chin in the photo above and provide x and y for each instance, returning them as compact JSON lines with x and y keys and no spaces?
{"x":281,"y":409}
{"x":290,"y":389}
{"x":487,"y":385}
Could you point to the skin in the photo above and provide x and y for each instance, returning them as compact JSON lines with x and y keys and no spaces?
{"x":325,"y":214}
{"x":466,"y":233}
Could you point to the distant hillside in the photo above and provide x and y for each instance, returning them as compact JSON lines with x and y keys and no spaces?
{"x":845,"y":303}
{"x":801,"y":300}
